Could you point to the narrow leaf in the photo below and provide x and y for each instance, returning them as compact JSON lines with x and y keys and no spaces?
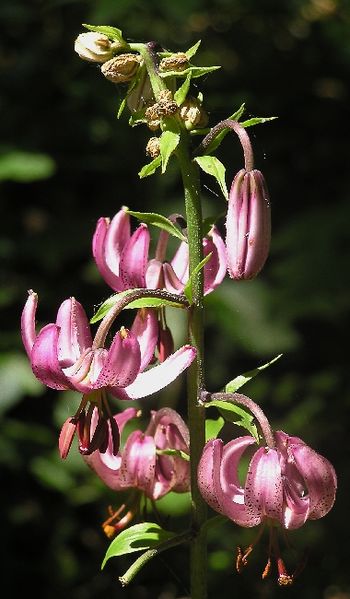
{"x":174,"y":452}
{"x":150,"y":168}
{"x":213,"y":427}
{"x":230,"y":411}
{"x":212,"y":166}
{"x":188,"y":287}
{"x":257,"y":121}
{"x":112,"y":32}
{"x":169,"y":140}
{"x":194,"y":71}
{"x":144,"y":302}
{"x":193,"y":50}
{"x":242,"y":379}
{"x":160,"y":221}
{"x":181,"y":93}
{"x":137,"y":538}
{"x":121,"y":108}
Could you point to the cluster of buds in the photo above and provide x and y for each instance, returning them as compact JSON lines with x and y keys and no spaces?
{"x":164,"y":107}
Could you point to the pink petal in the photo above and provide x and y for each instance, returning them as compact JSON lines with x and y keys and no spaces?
{"x":118,"y":234}
{"x":320,"y":479}
{"x":138,"y":462}
{"x":75,"y":336}
{"x":172,"y":283}
{"x":134,"y":258}
{"x":179,"y":262}
{"x":145,"y":329}
{"x":258,"y":241}
{"x":264,"y":487}
{"x":209,"y":463}
{"x":236,"y":220}
{"x":99,"y":252}
{"x":28,"y":322}
{"x":44,"y":357}
{"x":154,"y":274}
{"x":215,"y":269}
{"x":162,"y":375}
{"x":122,"y":363}
{"x":166,"y":417}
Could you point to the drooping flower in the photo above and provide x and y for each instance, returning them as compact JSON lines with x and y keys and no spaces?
{"x":285,"y":485}
{"x":64,"y":356}
{"x":248,"y":225}
{"x":122,"y":257}
{"x":144,"y":465}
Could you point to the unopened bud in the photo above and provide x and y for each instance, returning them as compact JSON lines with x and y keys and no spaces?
{"x":165,"y":106}
{"x":93,"y":46}
{"x":153,"y":147}
{"x":248,"y":225}
{"x":122,"y":68}
{"x":176,"y":62}
{"x":192,"y":114}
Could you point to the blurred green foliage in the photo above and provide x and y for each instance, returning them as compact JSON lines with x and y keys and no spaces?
{"x":65,"y":160}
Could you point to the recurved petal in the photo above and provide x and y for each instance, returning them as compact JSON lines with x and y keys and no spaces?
{"x":109,"y":273}
{"x":145,"y":329}
{"x":28,"y":321}
{"x":264,"y":487}
{"x":172,"y":283}
{"x":215,"y":269}
{"x":320,"y":479}
{"x":117,"y":236}
{"x":162,"y":375}
{"x":75,"y":336}
{"x":209,"y":464}
{"x":44,"y":359}
{"x":122,"y":363}
{"x":180,"y":262}
{"x":134,"y":257}
{"x":138,"y":462}
{"x":178,"y":436}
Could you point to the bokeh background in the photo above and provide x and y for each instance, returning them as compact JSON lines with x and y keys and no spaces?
{"x":65,"y":160}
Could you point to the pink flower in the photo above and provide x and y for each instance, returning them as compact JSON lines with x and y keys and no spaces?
{"x":63,"y":355}
{"x":123,"y":259}
{"x":143,"y":463}
{"x":286,"y":484}
{"x":248,"y":225}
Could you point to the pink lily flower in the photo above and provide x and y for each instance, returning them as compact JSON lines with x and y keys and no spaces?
{"x":123,"y":259}
{"x":287,"y":484}
{"x":248,"y":225}
{"x":143,"y":463}
{"x":63,"y":356}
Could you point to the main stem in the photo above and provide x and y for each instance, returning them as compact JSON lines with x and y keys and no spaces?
{"x":195,"y":374}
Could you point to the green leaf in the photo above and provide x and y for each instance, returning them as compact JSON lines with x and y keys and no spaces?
{"x":188,"y":287}
{"x":160,"y":221}
{"x":137,"y":538}
{"x":230,"y":411}
{"x":150,"y":168}
{"x":193,"y":50}
{"x":212,"y":166}
{"x":111,"y":32}
{"x":257,"y":121}
{"x":213,"y":427}
{"x":194,"y":71}
{"x":169,"y":140}
{"x":174,"y":452}
{"x":242,"y":379}
{"x":121,"y":108}
{"x":181,"y":93}
{"x":144,"y":302}
{"x":25,"y":167}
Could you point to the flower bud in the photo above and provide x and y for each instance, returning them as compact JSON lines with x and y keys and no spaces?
{"x":176,"y":62}
{"x":248,"y":225}
{"x":153,"y":147}
{"x":192,"y":114}
{"x":122,"y":68}
{"x":93,"y":46}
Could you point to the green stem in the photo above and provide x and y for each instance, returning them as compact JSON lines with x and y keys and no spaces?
{"x":195,"y":374}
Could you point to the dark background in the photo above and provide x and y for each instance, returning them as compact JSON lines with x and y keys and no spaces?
{"x":65,"y":160}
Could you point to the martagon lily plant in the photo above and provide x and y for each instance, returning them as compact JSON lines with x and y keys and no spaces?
{"x":286,"y":483}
